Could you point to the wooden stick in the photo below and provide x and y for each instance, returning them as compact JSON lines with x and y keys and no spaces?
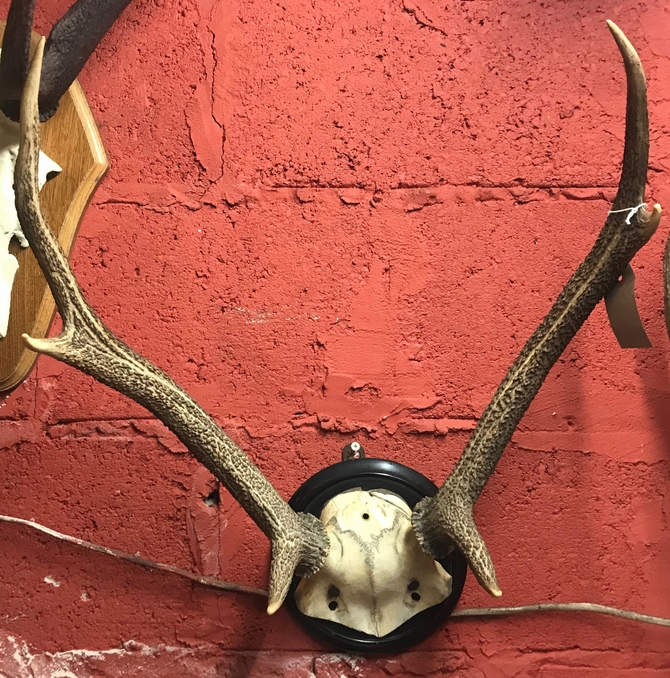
{"x":212,"y":582}
{"x":561,"y":607}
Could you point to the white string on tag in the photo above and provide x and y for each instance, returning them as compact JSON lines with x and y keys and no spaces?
{"x":632,"y":211}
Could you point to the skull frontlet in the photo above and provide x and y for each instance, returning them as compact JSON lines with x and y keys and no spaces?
{"x":376,"y":576}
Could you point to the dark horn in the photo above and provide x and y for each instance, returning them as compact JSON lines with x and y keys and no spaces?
{"x":71,"y":41}
{"x":15,"y":54}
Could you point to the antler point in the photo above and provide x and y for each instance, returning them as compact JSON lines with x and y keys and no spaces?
{"x":38,"y":345}
{"x":29,"y":341}
{"x":274,"y":606}
{"x":651,"y":219}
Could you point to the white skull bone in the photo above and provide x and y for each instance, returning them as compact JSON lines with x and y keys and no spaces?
{"x":376,"y":576}
{"x":9,"y":220}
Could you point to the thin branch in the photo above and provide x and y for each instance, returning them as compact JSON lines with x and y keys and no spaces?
{"x":205,"y":581}
{"x":561,"y":607}
{"x":212,"y":582}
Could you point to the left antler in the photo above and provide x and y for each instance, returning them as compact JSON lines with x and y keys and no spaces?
{"x":446,"y":520}
{"x":299,"y":541}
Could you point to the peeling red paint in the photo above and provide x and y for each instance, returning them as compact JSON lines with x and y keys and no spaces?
{"x":333,"y":221}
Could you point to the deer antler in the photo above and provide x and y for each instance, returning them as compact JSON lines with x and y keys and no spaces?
{"x":447,"y":518}
{"x":71,"y":41}
{"x":299,"y":541}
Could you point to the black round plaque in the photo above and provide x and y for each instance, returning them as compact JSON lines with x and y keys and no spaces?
{"x":374,"y":474}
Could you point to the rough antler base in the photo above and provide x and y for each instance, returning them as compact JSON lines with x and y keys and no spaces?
{"x":430,"y":519}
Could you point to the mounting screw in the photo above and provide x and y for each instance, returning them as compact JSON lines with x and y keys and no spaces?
{"x":353,"y":451}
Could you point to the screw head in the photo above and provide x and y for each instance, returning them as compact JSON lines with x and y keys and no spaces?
{"x":353,"y":450}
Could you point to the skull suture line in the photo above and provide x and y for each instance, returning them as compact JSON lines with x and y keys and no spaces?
{"x":376,"y":575}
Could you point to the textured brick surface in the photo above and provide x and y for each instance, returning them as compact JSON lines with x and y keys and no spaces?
{"x":332,"y":221}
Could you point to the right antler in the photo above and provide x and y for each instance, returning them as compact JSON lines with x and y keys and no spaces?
{"x":299,"y":541}
{"x":447,"y":519}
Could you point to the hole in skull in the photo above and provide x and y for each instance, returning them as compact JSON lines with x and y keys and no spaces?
{"x":416,"y":596}
{"x":413,"y":585}
{"x":332,"y":605}
{"x":366,"y":516}
{"x":213,"y":498}
{"x":52,"y":175}
{"x":333,"y":591}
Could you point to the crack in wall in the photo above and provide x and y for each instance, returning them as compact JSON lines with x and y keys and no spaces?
{"x":421,"y":17}
{"x":144,"y":197}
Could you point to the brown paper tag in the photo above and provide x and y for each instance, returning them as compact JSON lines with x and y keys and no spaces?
{"x":623,"y":314}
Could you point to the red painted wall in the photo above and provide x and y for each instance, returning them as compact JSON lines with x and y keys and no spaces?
{"x":332,"y":221}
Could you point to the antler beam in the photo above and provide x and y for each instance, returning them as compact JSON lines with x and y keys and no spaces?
{"x":299,"y":541}
{"x":446,"y":520}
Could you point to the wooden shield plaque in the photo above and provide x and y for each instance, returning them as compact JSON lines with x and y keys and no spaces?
{"x":71,"y":139}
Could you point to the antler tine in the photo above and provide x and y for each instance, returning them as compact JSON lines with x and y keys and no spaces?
{"x":299,"y":541}
{"x":71,"y":41}
{"x":446,"y":520}
{"x":15,"y":55}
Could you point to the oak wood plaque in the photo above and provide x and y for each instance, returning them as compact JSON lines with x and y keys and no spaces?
{"x":71,"y":138}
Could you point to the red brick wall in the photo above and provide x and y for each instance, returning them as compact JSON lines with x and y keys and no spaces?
{"x":332,"y":221}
